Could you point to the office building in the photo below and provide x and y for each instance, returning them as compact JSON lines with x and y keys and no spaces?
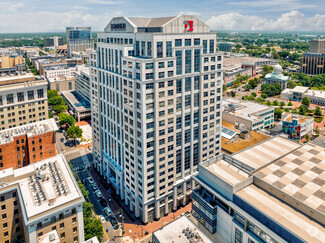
{"x":180,"y":230}
{"x":56,"y":71}
{"x":247,"y":115}
{"x":82,"y":82}
{"x":79,"y":39}
{"x":243,"y":65}
{"x":61,"y":83}
{"x":157,"y":111}
{"x":316,"y":97}
{"x":297,"y":126}
{"x":27,"y":144}
{"x":277,"y":77}
{"x":225,"y":46}
{"x":317,"y":46}
{"x":23,"y":100}
{"x":313,"y":63}
{"x":270,"y":192}
{"x":53,"y":41}
{"x":40,"y":200}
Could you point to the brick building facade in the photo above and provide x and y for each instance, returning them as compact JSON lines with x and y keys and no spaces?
{"x":27,"y":144}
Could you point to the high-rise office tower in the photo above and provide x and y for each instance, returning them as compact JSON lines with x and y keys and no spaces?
{"x":156,"y":86}
{"x":79,"y":39}
{"x":54,"y":41}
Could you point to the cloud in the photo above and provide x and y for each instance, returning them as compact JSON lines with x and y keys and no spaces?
{"x":274,"y":5}
{"x":53,"y":21}
{"x":11,"y":7}
{"x":290,"y":21}
{"x":105,"y":2}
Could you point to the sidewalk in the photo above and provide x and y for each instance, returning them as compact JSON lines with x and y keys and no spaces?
{"x":136,"y":230}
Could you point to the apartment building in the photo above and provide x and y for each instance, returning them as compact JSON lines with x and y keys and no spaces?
{"x":157,"y":108}
{"x":313,"y":63}
{"x":317,"y":46}
{"x":270,"y":192}
{"x":23,"y":100}
{"x":27,"y":144}
{"x":247,"y":115}
{"x":40,"y":198}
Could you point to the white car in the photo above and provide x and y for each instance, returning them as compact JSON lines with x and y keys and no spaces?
{"x":90,"y":180}
{"x":102,"y":219}
{"x":98,"y":194}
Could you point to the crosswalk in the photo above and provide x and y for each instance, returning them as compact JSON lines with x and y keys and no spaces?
{"x":70,"y":151}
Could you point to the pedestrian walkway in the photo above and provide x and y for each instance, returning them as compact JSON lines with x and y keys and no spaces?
{"x":70,"y":151}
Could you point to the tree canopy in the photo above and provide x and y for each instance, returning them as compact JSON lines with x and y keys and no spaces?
{"x":305,"y":101}
{"x":318,"y":111}
{"x":271,"y":89}
{"x":66,"y":119}
{"x":52,"y":93}
{"x":74,"y":132}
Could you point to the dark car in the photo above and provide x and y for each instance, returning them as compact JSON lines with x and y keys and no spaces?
{"x":103,"y":202}
{"x":312,"y":138}
{"x":113,"y":221}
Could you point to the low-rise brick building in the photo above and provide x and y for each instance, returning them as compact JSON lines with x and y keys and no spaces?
{"x":27,"y":144}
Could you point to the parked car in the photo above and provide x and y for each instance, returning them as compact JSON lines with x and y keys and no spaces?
{"x":102,"y":218}
{"x":98,"y":194}
{"x":103,"y":202}
{"x":94,"y":186}
{"x":108,"y":211}
{"x":113,"y":221}
{"x":62,"y":140}
{"x":90,"y":180}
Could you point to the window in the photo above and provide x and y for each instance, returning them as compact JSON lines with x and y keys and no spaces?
{"x":74,"y":220}
{"x":149,"y":49}
{"x":159,"y":49}
{"x":197,"y":60}
{"x":75,"y":229}
{"x":30,"y":94}
{"x":211,"y":50}
{"x":3,"y":207}
{"x":188,"y":61}
{"x":238,"y":236}
{"x":205,"y":46}
{"x":5,"y":225}
{"x":168,"y":48}
{"x":61,"y":225}
{"x":178,"y":42}
{"x":196,"y":42}
{"x":20,"y":96}
{"x":10,"y":98}
{"x":4,"y":216}
{"x":188,"y":83}
{"x":62,"y":235}
{"x":5,"y":234}
{"x":188,"y":42}
{"x":178,"y":62}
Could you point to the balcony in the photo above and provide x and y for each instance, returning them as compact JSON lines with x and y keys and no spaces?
{"x":205,"y":200}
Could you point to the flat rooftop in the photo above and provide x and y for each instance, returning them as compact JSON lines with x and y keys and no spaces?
{"x":300,"y":174}
{"x":301,"y":119}
{"x":44,"y":186}
{"x":22,"y":85}
{"x":227,"y":172}
{"x":282,"y":213}
{"x":31,"y":129}
{"x":176,"y":230}
{"x":266,"y":151}
{"x":76,"y":100}
{"x":237,"y":61}
{"x":244,"y":109}
{"x":316,"y":93}
{"x":300,"y":89}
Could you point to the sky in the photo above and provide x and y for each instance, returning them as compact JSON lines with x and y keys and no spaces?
{"x":19,"y":16}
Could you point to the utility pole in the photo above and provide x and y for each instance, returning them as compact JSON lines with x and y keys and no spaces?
{"x":122,"y":222}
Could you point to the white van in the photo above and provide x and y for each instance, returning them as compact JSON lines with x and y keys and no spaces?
{"x":108,"y":211}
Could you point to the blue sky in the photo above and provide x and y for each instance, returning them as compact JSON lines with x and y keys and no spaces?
{"x":255,"y":15}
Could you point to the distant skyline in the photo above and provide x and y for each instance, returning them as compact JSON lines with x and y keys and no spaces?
{"x":241,"y":15}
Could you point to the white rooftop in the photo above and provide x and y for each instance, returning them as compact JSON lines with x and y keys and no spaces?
{"x":178,"y":230}
{"x":44,"y":185}
{"x":300,"y":89}
{"x":316,"y":93}
{"x":245,"y":109}
{"x":50,"y":237}
{"x":31,"y":129}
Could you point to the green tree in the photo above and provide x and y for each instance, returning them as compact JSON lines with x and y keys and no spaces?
{"x":302,"y":110}
{"x":282,"y":103}
{"x":74,"y":132}
{"x":267,"y":69}
{"x":269,"y":103}
{"x":93,"y":227}
{"x":224,"y":87}
{"x":275,"y":103}
{"x":66,"y":119}
{"x":59,"y":108}
{"x":56,"y":100}
{"x":264,"y":96}
{"x":50,"y":114}
{"x":84,"y":191}
{"x":253,"y":82}
{"x":317,"y":132}
{"x":289,"y":104}
{"x":307,"y":137}
{"x":277,"y":113}
{"x":51,"y":93}
{"x":305,"y":101}
{"x":286,"y":109}
{"x":254,"y":94}
{"x":318,"y":111}
{"x":232,"y":93}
